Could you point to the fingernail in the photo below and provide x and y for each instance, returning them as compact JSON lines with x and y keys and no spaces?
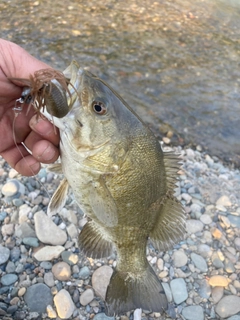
{"x":47,"y":154}
{"x":41,"y":126}
{"x":35,"y":167}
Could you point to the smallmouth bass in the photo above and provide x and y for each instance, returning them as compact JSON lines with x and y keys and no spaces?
{"x":124,"y":183}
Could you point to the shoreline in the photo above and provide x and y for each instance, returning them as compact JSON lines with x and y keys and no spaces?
{"x":200,"y":274}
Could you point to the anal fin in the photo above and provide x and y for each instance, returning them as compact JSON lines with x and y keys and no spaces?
{"x":92,"y":242}
{"x":170,"y":226}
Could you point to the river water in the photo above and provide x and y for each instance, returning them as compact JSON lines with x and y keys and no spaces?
{"x":175,"y":62}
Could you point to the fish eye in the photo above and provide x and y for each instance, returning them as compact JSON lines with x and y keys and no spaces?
{"x":99,"y":107}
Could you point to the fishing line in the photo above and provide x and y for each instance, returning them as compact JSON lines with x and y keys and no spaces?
{"x":17,"y":110}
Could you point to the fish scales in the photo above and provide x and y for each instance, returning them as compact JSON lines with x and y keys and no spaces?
{"x":124,"y":183}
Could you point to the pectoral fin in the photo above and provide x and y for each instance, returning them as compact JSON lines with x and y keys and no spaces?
{"x":92,"y":242}
{"x":103,"y":205}
{"x":170,"y":226}
{"x":56,"y":168}
{"x":59,"y":198}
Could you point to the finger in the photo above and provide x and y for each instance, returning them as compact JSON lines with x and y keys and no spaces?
{"x":44,"y":151}
{"x":20,"y":159}
{"x":45,"y":129}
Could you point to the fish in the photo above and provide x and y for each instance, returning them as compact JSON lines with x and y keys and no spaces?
{"x":124,"y":183}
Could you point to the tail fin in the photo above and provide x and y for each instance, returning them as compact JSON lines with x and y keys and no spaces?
{"x":127,"y":292}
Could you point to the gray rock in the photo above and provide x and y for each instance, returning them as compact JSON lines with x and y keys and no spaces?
{"x":194,"y":226}
{"x":199,"y":262}
{"x":31,"y":241}
{"x":234,"y":318}
{"x":15,"y":254}
{"x":168,"y":291}
{"x":3,"y":215}
{"x":69,"y":257}
{"x":102,"y":316}
{"x":38,"y":297}
{"x":24,"y":230}
{"x":228,"y":306}
{"x":228,"y":266}
{"x":86,"y":297}
{"x":49,"y":279}
{"x":234,"y":221}
{"x":46,"y":265}
{"x":193,"y":313}
{"x":8,"y":279}
{"x":10,"y":267}
{"x":179,"y":290}
{"x":4,"y":254}
{"x":205,"y":251}
{"x":204,"y":289}
{"x":224,"y":201}
{"x":179,"y":258}
{"x":217,"y":294}
{"x":12,"y":187}
{"x":216,"y":261}
{"x":84,"y":273}
{"x":47,"y":231}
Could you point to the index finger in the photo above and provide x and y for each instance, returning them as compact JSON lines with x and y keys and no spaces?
{"x":45,"y":129}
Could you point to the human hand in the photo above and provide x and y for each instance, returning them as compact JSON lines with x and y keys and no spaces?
{"x":37,"y":134}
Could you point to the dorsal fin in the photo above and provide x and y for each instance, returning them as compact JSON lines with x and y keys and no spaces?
{"x":172,"y":166}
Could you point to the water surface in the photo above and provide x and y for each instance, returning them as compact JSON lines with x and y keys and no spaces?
{"x":175,"y":62}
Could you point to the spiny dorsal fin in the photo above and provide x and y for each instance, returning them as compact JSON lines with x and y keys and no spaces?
{"x":92,"y":242}
{"x":170,"y":226}
{"x":56,"y":168}
{"x":172,"y":166}
{"x":59,"y":198}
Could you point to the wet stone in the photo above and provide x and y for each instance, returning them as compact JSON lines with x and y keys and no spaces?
{"x":193,"y":313}
{"x":61,"y":271}
{"x":86,"y":297}
{"x":84,"y":273}
{"x":4,"y":254}
{"x":216,"y":261}
{"x":100,"y":280}
{"x":234,"y":221}
{"x":228,"y":306}
{"x":204,"y":289}
{"x":10,"y":267}
{"x":31,"y":241}
{"x":218,"y":280}
{"x":69,"y":257}
{"x":217,"y":294}
{"x":102,"y":316}
{"x":64,"y":304}
{"x":9,"y":279}
{"x":179,"y":259}
{"x":199,"y":262}
{"x":179,"y":290}
{"x":38,"y":297}
{"x":194,"y":226}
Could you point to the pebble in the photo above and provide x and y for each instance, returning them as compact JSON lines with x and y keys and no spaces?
{"x":4,"y":254}
{"x":218,"y":280}
{"x":49,"y":279}
{"x":24,"y":230}
{"x":31,"y":241}
{"x":86,"y":297}
{"x":179,"y":259}
{"x":48,"y":253}
{"x":61,"y":271}
{"x":100,"y":280}
{"x":47,"y":231}
{"x":38,"y":297}
{"x":224,"y":201}
{"x":72,"y":231}
{"x":206,"y":219}
{"x":199,"y":262}
{"x":69,"y":257}
{"x":51,"y":312}
{"x":228,"y":306}
{"x":9,"y":279}
{"x":194,"y":226}
{"x":21,"y":291}
{"x":8,"y":229}
{"x":234,"y":221}
{"x":84,"y":273}
{"x":217,"y":293}
{"x":12,"y":187}
{"x":64,"y":304}
{"x":103,"y":316}
{"x":193,"y":313}
{"x":168,"y":291}
{"x":179,"y":290}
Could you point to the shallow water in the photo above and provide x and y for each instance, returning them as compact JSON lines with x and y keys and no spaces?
{"x":175,"y":62}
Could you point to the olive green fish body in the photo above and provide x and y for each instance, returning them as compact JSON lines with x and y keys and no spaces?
{"x":124,"y":183}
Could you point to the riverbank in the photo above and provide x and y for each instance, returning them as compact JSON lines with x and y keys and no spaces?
{"x":40,"y":264}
